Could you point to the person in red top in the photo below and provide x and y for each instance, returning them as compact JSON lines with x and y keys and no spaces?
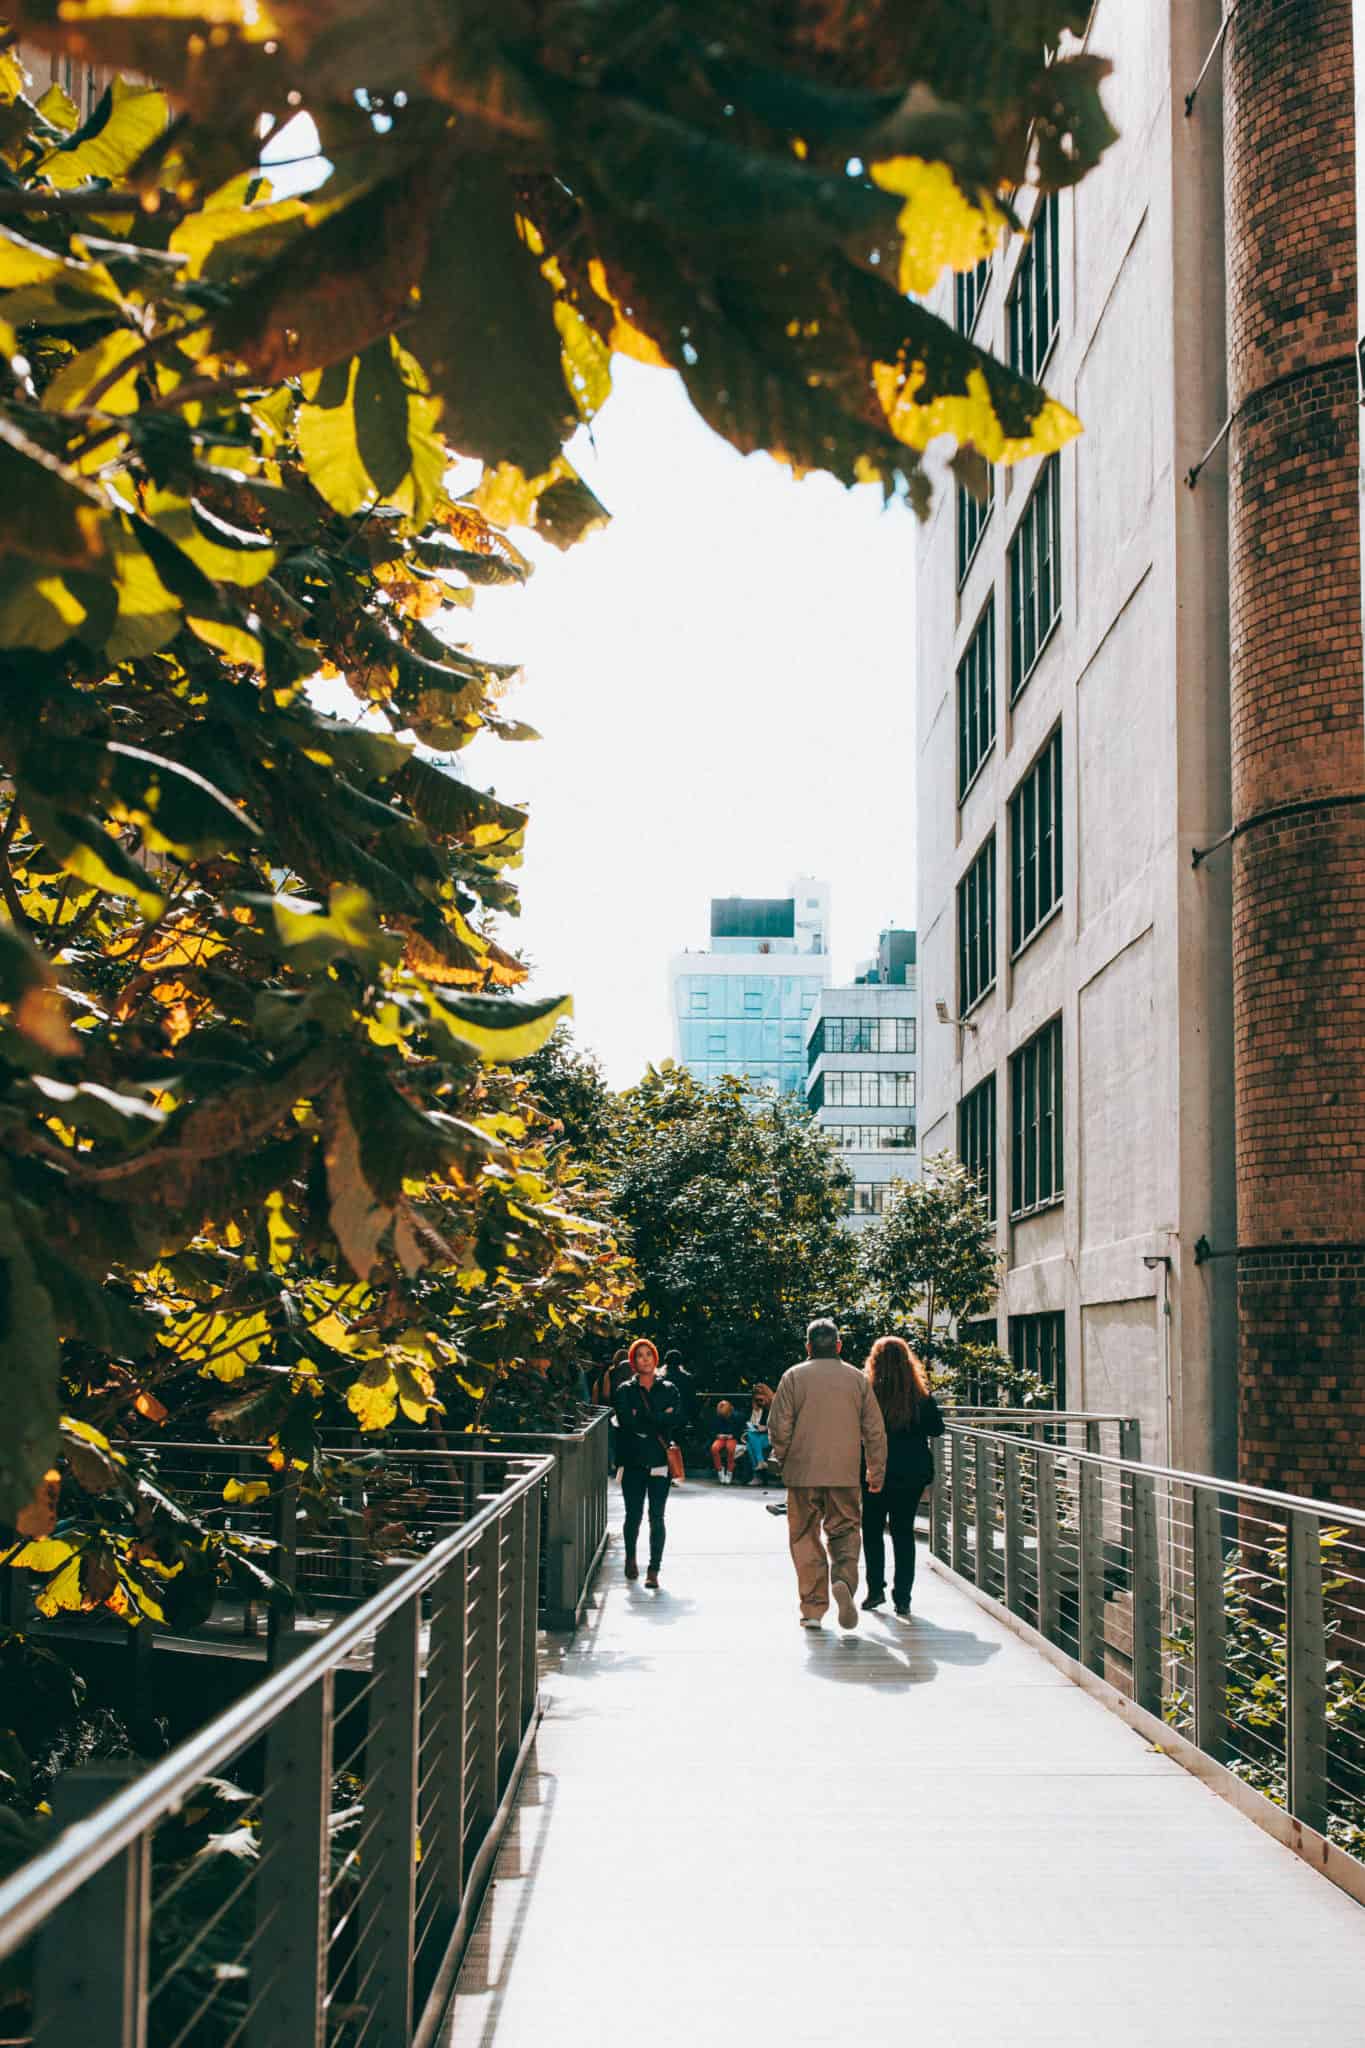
{"x":725,"y":1444}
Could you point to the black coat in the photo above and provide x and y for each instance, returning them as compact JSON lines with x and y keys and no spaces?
{"x":909,"y":1460}
{"x":646,"y":1423}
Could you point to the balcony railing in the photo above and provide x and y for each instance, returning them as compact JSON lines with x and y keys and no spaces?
{"x":305,"y":1869}
{"x":1228,"y":1622}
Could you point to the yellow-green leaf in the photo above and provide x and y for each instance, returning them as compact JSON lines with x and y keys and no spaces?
{"x":137,"y":116}
{"x":941,"y":228}
{"x":368,"y":434}
{"x":244,"y":1491}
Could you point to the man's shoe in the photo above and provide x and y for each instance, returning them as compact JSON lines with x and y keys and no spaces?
{"x":811,"y":1621}
{"x":844,"y":1601}
{"x":873,"y":1601}
{"x":632,"y":1569}
{"x":775,"y":1507}
{"x":652,"y":1577}
{"x":903,"y":1609}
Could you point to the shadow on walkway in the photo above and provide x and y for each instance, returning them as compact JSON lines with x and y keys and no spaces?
{"x":896,"y":1663}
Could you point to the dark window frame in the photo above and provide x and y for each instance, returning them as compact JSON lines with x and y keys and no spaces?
{"x":977,"y":1138}
{"x":973,"y":517}
{"x":1037,"y":1124}
{"x":969,"y":295}
{"x":1038,"y":1346}
{"x":976,"y":921}
{"x":1033,"y":310}
{"x":1036,"y":813}
{"x":976,"y":701}
{"x":1035,"y":576}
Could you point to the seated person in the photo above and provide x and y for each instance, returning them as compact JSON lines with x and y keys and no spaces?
{"x":725,"y":1443}
{"x":756,"y":1441}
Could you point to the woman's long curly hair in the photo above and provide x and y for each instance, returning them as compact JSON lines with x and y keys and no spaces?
{"x":898,"y":1380}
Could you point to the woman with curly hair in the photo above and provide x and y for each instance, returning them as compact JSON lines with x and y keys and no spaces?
{"x":911,"y":1415}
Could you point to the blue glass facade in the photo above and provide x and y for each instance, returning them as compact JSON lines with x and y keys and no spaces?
{"x":749,"y":1024}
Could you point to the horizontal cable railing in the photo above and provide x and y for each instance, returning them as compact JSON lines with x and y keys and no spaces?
{"x":1080,"y":1429}
{"x":305,"y":1868}
{"x":1235,"y":1615}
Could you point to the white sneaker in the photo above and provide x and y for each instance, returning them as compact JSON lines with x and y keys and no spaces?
{"x":844,"y":1601}
{"x":811,"y":1621}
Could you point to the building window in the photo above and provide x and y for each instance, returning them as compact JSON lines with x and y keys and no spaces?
{"x":969,"y":289}
{"x":699,"y":1000}
{"x":1036,"y":1122}
{"x":973,"y":517}
{"x":979,"y":1389}
{"x":976,"y":929}
{"x":1035,"y":576}
{"x":868,"y":1197}
{"x":1038,"y":1345}
{"x":976,"y":702}
{"x":863,"y":1034}
{"x":1034,"y":303}
{"x":976,"y":1138}
{"x":1036,"y":845}
{"x":873,"y":1090}
{"x":871,"y":1137}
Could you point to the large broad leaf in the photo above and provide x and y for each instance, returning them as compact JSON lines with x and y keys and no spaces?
{"x":347,"y":930}
{"x":485,"y":329}
{"x":52,"y":515}
{"x":367,"y":433}
{"x":177,"y":810}
{"x":501,"y":1027}
{"x":28,"y":1371}
{"x":81,"y":845}
{"x":127,"y":121}
{"x":455,"y":809}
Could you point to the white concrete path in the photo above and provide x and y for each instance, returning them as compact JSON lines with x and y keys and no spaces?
{"x":735,"y":1831}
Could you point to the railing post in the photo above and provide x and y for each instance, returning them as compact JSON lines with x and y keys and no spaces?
{"x":487,"y":1675}
{"x":1210,"y":1624}
{"x":957,"y":1508}
{"x":355,"y":1539}
{"x":514,"y":1636}
{"x":1014,"y":1531}
{"x":985,"y":1520}
{"x":284,"y":1528}
{"x":1146,"y":1595}
{"x":1090,"y":1563}
{"x":560,"y":1598}
{"x":91,"y":1976}
{"x":288,"y":1986}
{"x":530,"y":1614}
{"x":1306,"y":1660}
{"x":385,"y":1944}
{"x":938,"y":1502}
{"x":443,"y":1751}
{"x":1045,"y":1495}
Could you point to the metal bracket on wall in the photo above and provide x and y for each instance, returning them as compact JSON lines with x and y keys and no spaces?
{"x":1192,"y":475}
{"x":1193,"y":93}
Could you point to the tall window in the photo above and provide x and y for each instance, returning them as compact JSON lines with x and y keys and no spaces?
{"x":1036,"y":845}
{"x":1038,"y":1345}
{"x":976,"y":1138}
{"x":969,"y":289}
{"x":979,"y":1389}
{"x":976,"y":929}
{"x":1035,"y":575}
{"x":863,"y":1034}
{"x":868,"y":1197}
{"x":972,"y":517}
{"x":1036,"y":1122}
{"x":1034,"y":303}
{"x":866,"y":1091}
{"x":976,"y":701}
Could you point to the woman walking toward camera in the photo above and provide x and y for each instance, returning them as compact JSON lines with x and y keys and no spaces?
{"x":911,"y":1415}
{"x":648,"y":1412}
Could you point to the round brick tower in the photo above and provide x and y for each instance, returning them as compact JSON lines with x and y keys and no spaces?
{"x":1298,"y":745}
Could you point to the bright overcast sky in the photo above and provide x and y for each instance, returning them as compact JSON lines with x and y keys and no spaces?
{"x":722,"y":681}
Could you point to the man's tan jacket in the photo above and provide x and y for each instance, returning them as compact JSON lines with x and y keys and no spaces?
{"x":823,"y":1414}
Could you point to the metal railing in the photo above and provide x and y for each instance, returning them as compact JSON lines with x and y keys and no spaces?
{"x":1234,"y":1615}
{"x":1081,"y":1429}
{"x":305,"y":1869}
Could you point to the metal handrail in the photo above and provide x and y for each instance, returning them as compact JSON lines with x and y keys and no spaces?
{"x":1233,"y":1615}
{"x":483,"y":1618}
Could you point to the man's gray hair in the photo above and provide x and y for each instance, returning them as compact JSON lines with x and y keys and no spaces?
{"x":822,"y":1338}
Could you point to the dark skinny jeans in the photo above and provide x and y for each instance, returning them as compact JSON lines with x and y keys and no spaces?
{"x":636,"y":1486}
{"x":897,"y":1505}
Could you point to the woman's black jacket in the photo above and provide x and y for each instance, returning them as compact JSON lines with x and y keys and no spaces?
{"x":646,"y":1423}
{"x":909,"y":1460}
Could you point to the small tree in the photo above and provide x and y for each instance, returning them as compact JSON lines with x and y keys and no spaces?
{"x":929,"y":1264}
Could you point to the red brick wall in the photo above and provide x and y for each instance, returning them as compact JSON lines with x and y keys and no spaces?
{"x":1298,"y":736}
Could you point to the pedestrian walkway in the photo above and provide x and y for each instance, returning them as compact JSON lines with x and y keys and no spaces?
{"x":735,"y":1831}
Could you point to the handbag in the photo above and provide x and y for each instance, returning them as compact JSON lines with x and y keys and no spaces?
{"x":672,"y":1454}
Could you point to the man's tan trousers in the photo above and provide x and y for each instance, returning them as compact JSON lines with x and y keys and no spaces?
{"x":839,"y":1511}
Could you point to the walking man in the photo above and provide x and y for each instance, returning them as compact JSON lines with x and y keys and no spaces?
{"x":824,"y":1414}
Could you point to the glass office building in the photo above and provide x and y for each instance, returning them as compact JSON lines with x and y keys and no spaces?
{"x":741,"y":1007}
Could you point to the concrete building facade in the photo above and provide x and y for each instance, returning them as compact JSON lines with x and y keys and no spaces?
{"x":862,"y":1073}
{"x":1074,"y":748}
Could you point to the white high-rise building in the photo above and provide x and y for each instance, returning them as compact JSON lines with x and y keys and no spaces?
{"x":741,"y":1006}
